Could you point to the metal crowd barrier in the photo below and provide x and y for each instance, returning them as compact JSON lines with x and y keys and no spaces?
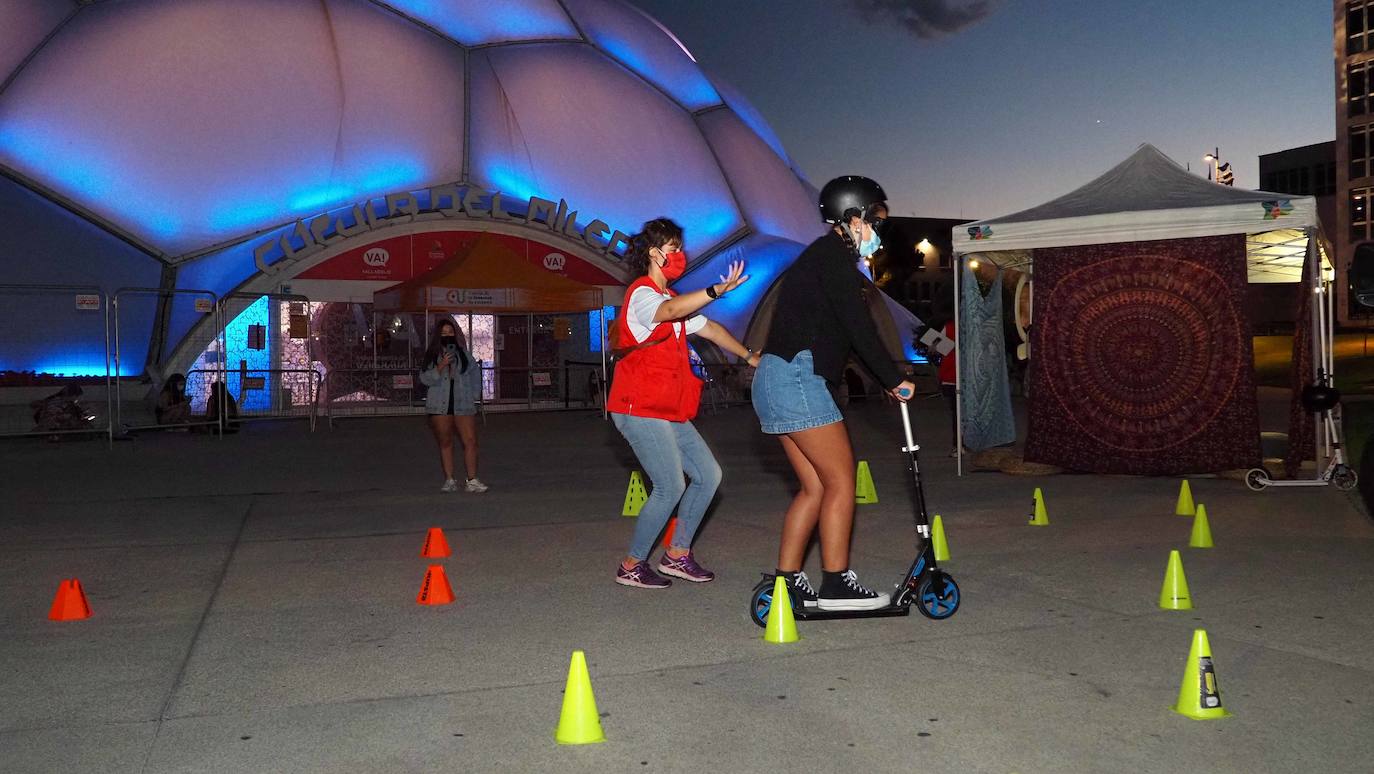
{"x":170,"y":303}
{"x":290,"y":393}
{"x":70,"y":326}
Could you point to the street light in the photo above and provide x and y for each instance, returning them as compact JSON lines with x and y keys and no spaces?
{"x":1212,"y":158}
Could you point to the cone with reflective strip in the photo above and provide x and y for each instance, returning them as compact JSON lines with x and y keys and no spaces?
{"x":668,"y":532}
{"x":1174,"y":594}
{"x":1184,"y":507}
{"x":1202,"y":531}
{"x":635,"y":495}
{"x":937,"y":536}
{"x":864,"y":491}
{"x":781,"y":627}
{"x":436,"y":545}
{"x":579,"y":722}
{"x":434,"y":589}
{"x":1198,"y":695}
{"x":1039,"y":516}
{"x":70,"y":602}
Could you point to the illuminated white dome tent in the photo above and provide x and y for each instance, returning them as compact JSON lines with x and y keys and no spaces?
{"x":200,"y":144}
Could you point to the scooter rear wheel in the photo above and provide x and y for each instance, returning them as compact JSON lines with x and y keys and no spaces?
{"x":1345,"y":478}
{"x":938,"y":596}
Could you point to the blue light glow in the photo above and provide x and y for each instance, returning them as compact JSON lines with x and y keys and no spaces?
{"x":681,"y":78}
{"x":67,"y":163}
{"x":474,"y":22}
{"x":241,"y":356}
{"x":256,"y":207}
{"x":594,"y":319}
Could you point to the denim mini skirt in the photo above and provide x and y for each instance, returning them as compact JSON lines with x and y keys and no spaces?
{"x":789,"y":397}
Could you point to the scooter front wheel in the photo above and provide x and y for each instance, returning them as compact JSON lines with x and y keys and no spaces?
{"x":938,"y":596}
{"x":1345,"y":478}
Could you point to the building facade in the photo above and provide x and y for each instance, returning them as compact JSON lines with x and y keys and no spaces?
{"x":1354,"y":53}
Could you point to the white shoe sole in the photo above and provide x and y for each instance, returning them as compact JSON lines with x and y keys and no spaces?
{"x":839,"y":605}
{"x":635,"y":585}
{"x":661,"y":570}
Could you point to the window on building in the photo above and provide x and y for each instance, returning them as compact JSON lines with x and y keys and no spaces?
{"x":1359,"y":213}
{"x":1358,"y":15}
{"x":1358,"y":84}
{"x":1360,"y":151}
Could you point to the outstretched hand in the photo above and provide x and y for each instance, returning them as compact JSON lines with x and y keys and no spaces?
{"x":735,"y":277}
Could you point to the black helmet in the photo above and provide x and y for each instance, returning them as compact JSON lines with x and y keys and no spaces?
{"x":845,"y":197}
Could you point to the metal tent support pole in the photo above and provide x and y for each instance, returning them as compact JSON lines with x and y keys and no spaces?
{"x":958,"y":369}
{"x":1318,"y":342}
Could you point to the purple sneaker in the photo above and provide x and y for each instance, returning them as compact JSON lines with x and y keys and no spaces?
{"x":686,"y":568}
{"x":641,"y":576}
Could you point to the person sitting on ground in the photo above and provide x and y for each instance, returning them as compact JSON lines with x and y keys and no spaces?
{"x":172,"y":406}
{"x":220,"y":395}
{"x":61,"y":411}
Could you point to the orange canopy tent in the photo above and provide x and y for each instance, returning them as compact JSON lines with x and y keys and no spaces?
{"x":489,"y":277}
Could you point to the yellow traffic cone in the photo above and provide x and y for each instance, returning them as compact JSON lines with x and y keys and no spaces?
{"x":635,"y":495}
{"x":1185,"y":500}
{"x":864,"y":491}
{"x":1202,"y":531}
{"x":1174,"y":594}
{"x":937,"y":536}
{"x":1039,"y":516}
{"x":1198,"y":695}
{"x":781,"y":627}
{"x":578,"y":723}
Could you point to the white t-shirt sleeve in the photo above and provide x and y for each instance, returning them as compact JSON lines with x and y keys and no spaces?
{"x":640,"y":311}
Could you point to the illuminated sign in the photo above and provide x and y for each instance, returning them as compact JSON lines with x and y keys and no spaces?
{"x":310,"y":235}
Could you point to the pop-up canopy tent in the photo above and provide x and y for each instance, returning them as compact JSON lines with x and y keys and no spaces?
{"x":1147,"y":257}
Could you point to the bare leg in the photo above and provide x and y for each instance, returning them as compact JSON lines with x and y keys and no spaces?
{"x":443,"y":434}
{"x":827,"y":449}
{"x":467,"y":431}
{"x":804,"y":511}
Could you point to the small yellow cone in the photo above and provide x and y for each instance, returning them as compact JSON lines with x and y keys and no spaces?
{"x":1202,"y":531}
{"x":1185,"y":500}
{"x":864,"y":491}
{"x":1039,"y":516}
{"x":781,"y":627}
{"x":937,"y":536}
{"x":635,"y":495}
{"x":578,"y":723}
{"x":1174,"y":594}
{"x":1198,"y":695}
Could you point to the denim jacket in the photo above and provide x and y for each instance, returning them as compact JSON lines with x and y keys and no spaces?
{"x":467,"y":387}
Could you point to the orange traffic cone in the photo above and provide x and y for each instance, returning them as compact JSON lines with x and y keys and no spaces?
{"x":435,"y":589}
{"x":436,"y":545}
{"x":668,"y":533}
{"x":70,"y":603}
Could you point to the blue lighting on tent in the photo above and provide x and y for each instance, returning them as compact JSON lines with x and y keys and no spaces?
{"x":752,"y":118}
{"x":490,"y":22}
{"x":78,"y":363}
{"x":251,"y":209}
{"x":85,"y":173}
{"x":512,"y":184}
{"x":686,"y":84}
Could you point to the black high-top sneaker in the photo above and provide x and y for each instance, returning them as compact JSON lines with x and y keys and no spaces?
{"x":842,"y":591}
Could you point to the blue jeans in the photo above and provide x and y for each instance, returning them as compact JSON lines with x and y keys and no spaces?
{"x":666,"y":450}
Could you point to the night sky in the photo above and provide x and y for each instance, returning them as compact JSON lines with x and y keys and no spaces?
{"x":962,"y":114}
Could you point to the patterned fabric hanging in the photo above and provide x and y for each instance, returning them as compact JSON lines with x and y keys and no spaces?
{"x":984,"y":386}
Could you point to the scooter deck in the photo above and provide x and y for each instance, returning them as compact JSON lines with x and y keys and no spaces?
{"x":814,"y":613}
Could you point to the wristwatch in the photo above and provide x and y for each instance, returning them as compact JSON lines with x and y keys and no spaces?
{"x":711,"y":292}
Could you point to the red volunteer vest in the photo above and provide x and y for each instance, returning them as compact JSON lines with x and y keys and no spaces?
{"x":654,"y":378}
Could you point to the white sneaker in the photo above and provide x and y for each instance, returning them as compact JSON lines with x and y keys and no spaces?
{"x":852,"y":596}
{"x":450,"y":485}
{"x":475,"y":486}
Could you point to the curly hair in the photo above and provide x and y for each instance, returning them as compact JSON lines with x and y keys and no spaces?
{"x":655,"y":233}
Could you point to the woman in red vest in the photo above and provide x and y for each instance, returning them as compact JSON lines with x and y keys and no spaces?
{"x":654,"y":396}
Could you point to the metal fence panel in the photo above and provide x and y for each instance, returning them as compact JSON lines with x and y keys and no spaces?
{"x":54,"y":338}
{"x":179,"y":304}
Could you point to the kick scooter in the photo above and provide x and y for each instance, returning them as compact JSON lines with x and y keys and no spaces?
{"x":933,"y":590}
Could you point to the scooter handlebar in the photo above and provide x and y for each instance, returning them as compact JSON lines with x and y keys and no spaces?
{"x":906,"y":426}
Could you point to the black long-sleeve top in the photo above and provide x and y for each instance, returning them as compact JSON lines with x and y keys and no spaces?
{"x":820,"y":307}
